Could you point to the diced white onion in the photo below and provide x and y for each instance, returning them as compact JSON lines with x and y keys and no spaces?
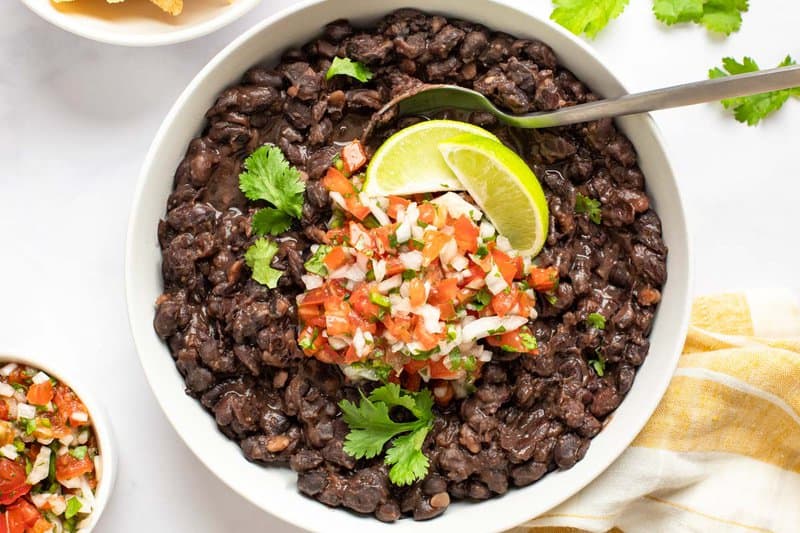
{"x":476,"y":284}
{"x":480,"y":328}
{"x":459,"y":263}
{"x":40,"y":377}
{"x":6,"y":390}
{"x":338,"y":199}
{"x":88,"y":496}
{"x":359,"y":239}
{"x":403,"y":232}
{"x":417,"y":232}
{"x":430,"y":317}
{"x":58,"y":504}
{"x":98,"y":467}
{"x":8,"y":369}
{"x":486,"y":230}
{"x":411,"y":214}
{"x":10,"y":451}
{"x":41,"y":466}
{"x":358,"y":374}
{"x":457,"y":206}
{"x":399,"y":305}
{"x":351,"y":272}
{"x":40,"y":499}
{"x":74,"y":483}
{"x":83,"y":436}
{"x":411,"y":260}
{"x":379,"y":268}
{"x":390,"y":283}
{"x":79,"y":416}
{"x":495,"y":281}
{"x":25,"y":410}
{"x":359,"y":343}
{"x":338,"y":343}
{"x":312,"y":281}
{"x":379,"y":214}
{"x":503,"y":244}
{"x":362,"y":261}
{"x":448,"y":251}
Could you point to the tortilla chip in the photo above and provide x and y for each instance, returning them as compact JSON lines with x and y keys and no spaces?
{"x":173,"y":7}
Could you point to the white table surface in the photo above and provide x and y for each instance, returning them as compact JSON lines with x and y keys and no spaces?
{"x":76,"y":118}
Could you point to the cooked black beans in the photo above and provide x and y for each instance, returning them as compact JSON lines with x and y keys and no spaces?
{"x":234,"y":340}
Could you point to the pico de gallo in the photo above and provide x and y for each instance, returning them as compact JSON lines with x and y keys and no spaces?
{"x":49,"y":459}
{"x":412,"y":289}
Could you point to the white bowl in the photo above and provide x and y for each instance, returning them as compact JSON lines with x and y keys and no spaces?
{"x":102,"y":429}
{"x":138,"y":22}
{"x":273,"y":489}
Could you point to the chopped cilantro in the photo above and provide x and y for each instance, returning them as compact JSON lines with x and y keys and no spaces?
{"x":270,"y":221}
{"x":596,"y":320}
{"x":481,"y":299}
{"x":393,"y":240}
{"x":316,"y":263}
{"x":598,"y":364}
{"x":371,"y":428}
{"x":752,"y":109}
{"x":720,"y":16}
{"x":409,"y":275}
{"x":528,"y":341}
{"x":589,"y":206}
{"x":343,"y":66}
{"x":79,"y":452}
{"x":482,"y":251}
{"x":259,"y":258}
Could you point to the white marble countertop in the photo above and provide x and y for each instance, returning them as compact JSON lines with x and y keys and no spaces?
{"x":76,"y":118}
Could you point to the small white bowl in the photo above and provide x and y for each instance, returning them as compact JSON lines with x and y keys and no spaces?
{"x":100,"y":423}
{"x":274,"y":489}
{"x":138,"y":22}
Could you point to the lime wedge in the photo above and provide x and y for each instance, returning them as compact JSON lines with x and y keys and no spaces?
{"x":504,"y":187}
{"x":410,"y":163}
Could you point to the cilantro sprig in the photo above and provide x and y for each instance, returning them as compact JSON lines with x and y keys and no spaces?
{"x":596,"y":320}
{"x":371,"y":428}
{"x":587,"y":16}
{"x":268,"y":176}
{"x":344,"y":66}
{"x":259,"y":258}
{"x":588,"y":206}
{"x":316,"y":263}
{"x":753,"y":109}
{"x":720,"y":16}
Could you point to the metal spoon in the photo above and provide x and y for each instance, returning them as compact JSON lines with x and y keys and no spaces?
{"x":432,"y":98}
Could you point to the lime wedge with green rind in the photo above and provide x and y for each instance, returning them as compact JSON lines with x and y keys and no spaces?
{"x":409,"y":162}
{"x":504,"y":187}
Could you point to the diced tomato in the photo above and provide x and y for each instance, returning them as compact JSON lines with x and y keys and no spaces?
{"x":362,"y":304}
{"x":17,"y":376}
{"x":315,"y":297}
{"x":3,"y":410}
{"x":440,"y":371}
{"x":356,"y":208}
{"x":520,"y":268}
{"x":416,"y":292}
{"x":447,"y":310}
{"x":311,"y":336}
{"x":327,"y":355}
{"x":69,"y":406}
{"x":466,"y":234}
{"x":465,"y":295}
{"x":434,"y":242}
{"x":12,"y":481}
{"x":69,"y":467}
{"x":337,"y":235}
{"x":335,"y":181}
{"x":427,"y":213}
{"x":381,"y":236}
{"x":395,"y":203}
{"x":525,"y":304}
{"x":350,"y":355}
{"x":425,"y":338}
{"x":353,"y":157}
{"x":505,"y":264}
{"x":20,"y":517}
{"x":445,"y":291}
{"x":475,"y":272}
{"x":504,"y":301}
{"x":311,"y":315}
{"x":399,"y":327}
{"x":41,"y":526}
{"x":40,"y":393}
{"x":394,"y":266}
{"x":335,"y":258}
{"x":544,"y":279}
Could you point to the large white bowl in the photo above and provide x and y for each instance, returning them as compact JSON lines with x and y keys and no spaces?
{"x":137,"y":22}
{"x":273,"y":489}
{"x":100,"y":423}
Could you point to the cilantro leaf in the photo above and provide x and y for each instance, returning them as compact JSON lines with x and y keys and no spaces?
{"x":371,"y":428}
{"x":590,"y":206}
{"x":268,"y":176}
{"x":752,"y":109}
{"x":343,"y":66}
{"x":721,"y":16}
{"x":259,"y":258}
{"x":316,"y":263}
{"x":270,"y":220}
{"x":586,"y":16}
{"x":405,"y":454}
{"x":596,"y":320}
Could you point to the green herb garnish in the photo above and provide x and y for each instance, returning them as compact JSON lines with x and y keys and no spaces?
{"x":343,"y":66}
{"x":596,"y":320}
{"x":528,"y":341}
{"x":371,"y":428}
{"x":586,"y":16}
{"x":316,"y":263}
{"x":721,"y":16}
{"x":481,"y":299}
{"x":79,"y":452}
{"x":259,"y":258}
{"x":598,"y":364}
{"x":590,"y":206}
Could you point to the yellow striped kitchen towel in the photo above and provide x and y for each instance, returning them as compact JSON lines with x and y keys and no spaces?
{"x":722,"y":451}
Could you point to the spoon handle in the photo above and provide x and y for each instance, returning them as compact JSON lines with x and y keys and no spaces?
{"x":676,"y":96}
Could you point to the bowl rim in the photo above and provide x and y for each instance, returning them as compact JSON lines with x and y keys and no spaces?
{"x":100,"y":421}
{"x":506,"y":520}
{"x":181,"y":34}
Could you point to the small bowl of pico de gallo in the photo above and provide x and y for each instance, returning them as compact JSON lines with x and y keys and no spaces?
{"x":57,"y":464}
